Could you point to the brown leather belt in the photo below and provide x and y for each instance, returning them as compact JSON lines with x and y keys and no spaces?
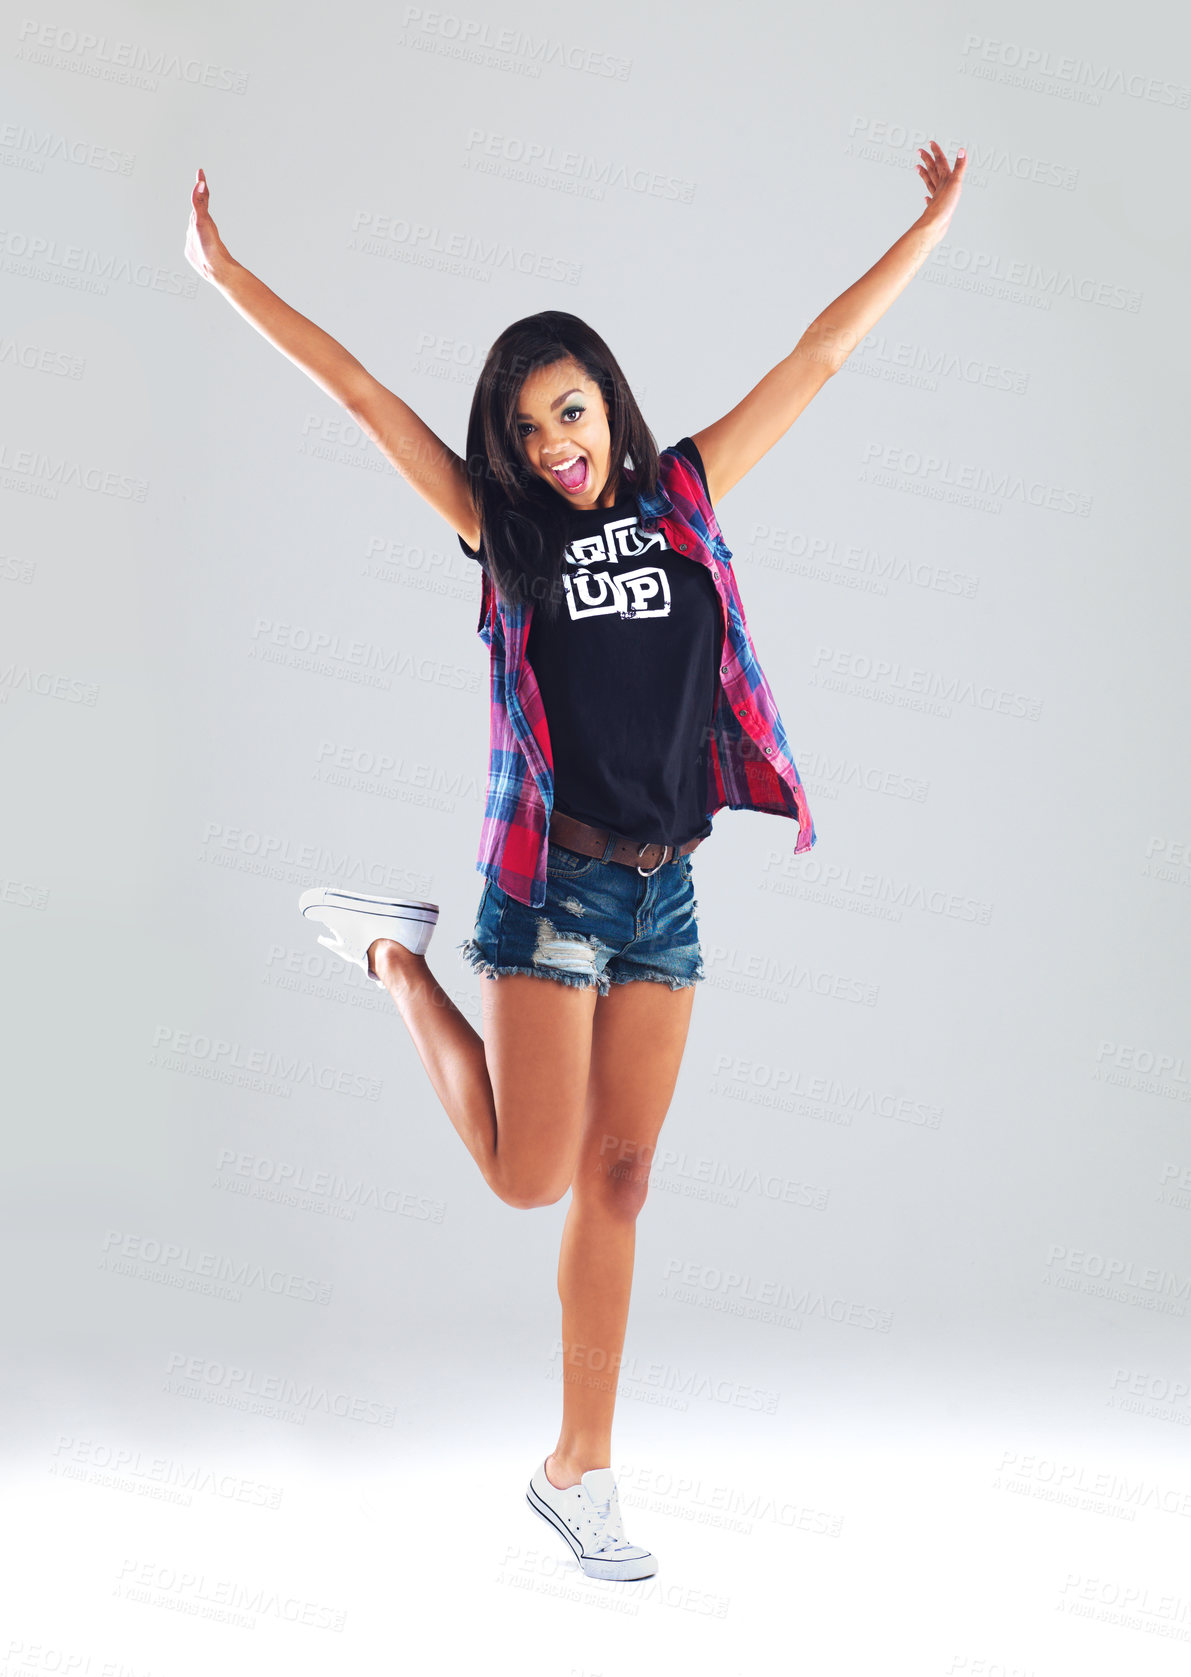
{"x":590,"y":841}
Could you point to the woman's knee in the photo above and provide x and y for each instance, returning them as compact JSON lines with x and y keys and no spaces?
{"x":619,"y":1194}
{"x":528,"y":1193}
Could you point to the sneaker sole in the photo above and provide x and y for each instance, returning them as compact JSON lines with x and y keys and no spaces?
{"x":418,"y":917}
{"x":626,"y":1571}
{"x":324,"y":895}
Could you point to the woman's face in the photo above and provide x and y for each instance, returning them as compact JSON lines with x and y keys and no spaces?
{"x":562,"y":418}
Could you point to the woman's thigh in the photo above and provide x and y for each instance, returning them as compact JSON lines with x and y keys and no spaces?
{"x":537,"y":1045}
{"x":639,"y":1034}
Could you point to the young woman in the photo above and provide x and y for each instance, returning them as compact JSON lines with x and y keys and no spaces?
{"x":627,"y":706}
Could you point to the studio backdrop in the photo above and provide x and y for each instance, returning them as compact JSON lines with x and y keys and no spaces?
{"x":916,"y":1258}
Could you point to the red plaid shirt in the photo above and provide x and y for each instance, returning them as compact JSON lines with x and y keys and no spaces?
{"x":749,"y":763}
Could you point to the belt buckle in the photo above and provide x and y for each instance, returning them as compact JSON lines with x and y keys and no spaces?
{"x":648,"y":873}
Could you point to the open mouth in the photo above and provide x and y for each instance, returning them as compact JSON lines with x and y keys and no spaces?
{"x":571,"y":474}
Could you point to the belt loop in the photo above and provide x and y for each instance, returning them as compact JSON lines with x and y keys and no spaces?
{"x":609,"y":847}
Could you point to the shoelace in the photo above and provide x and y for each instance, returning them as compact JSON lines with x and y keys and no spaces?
{"x":610,"y":1526}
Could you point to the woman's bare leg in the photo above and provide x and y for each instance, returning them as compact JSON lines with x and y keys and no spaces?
{"x":515,"y":1095}
{"x":639,"y":1033}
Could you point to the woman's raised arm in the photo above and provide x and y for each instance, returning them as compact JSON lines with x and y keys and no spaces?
{"x":422,"y":458}
{"x":734,"y":444}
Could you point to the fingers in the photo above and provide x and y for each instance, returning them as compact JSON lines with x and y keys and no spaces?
{"x":938,"y":171}
{"x":936,"y":157}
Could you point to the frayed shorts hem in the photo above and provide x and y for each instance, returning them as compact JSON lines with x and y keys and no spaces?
{"x":671,"y":978}
{"x":474,"y":955}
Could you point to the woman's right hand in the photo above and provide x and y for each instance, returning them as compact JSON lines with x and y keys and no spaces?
{"x":205,"y":250}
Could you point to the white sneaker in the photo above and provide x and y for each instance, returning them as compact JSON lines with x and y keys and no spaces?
{"x":587,"y":1516}
{"x":357,"y":921}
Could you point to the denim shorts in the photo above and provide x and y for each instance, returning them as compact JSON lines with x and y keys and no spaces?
{"x":602,"y":923}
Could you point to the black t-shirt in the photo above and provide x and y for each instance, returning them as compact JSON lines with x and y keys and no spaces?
{"x":628,"y":674}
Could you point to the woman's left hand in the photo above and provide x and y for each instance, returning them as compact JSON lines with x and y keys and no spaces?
{"x":945,"y":186}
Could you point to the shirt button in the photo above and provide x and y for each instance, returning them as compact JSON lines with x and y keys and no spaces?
{"x":723,"y":669}
{"x":769,"y":751}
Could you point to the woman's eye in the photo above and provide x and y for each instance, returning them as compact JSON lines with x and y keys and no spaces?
{"x":524,"y":428}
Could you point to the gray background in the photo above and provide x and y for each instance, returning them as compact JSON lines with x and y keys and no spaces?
{"x":906,"y":1371}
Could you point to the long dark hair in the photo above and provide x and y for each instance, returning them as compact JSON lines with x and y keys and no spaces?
{"x":523,"y":521}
